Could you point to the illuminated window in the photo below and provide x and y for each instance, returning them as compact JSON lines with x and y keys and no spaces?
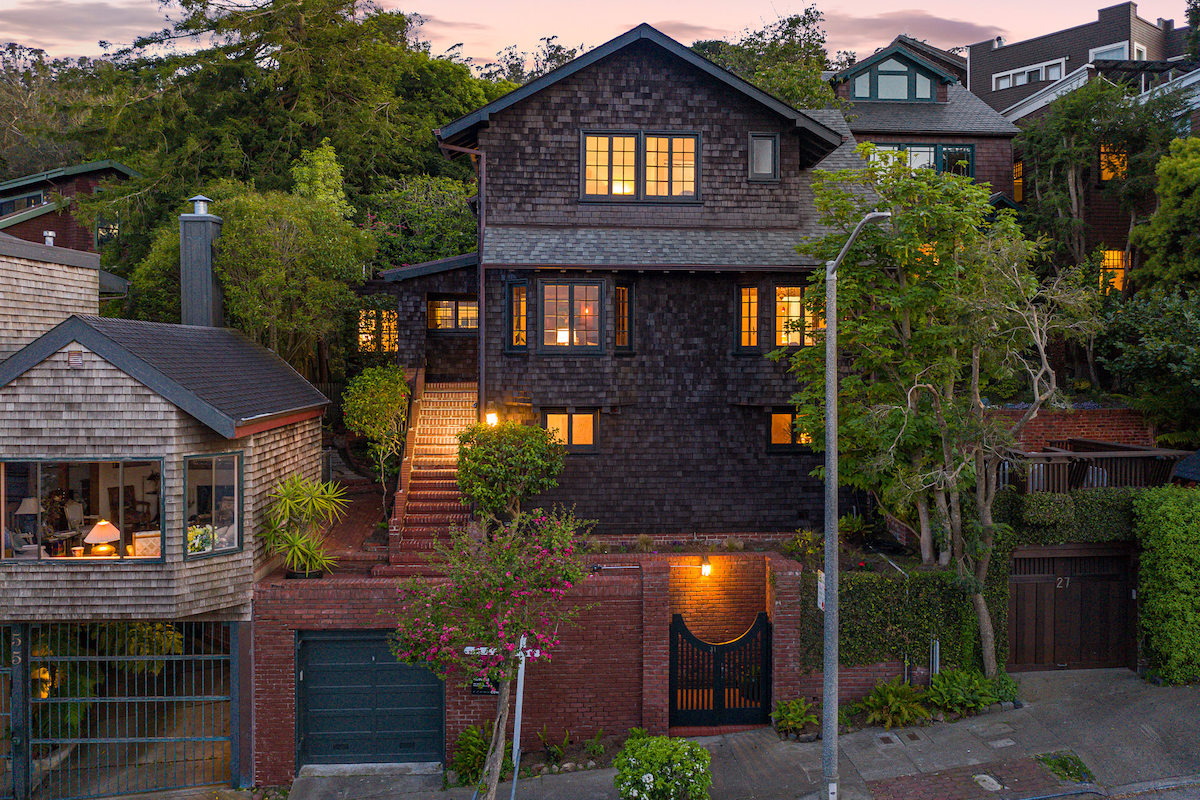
{"x":1019,"y":181}
{"x":575,"y":429}
{"x":957,"y":159}
{"x":623,"y":323}
{"x":518,"y":315}
{"x":610,"y":166}
{"x":813,"y":322}
{"x":1112,"y":270}
{"x":1113,"y":163}
{"x":638,"y":166}
{"x":783,"y":430}
{"x":670,"y":166}
{"x":571,"y":315}
{"x":748,"y":316}
{"x":789,"y":316}
{"x":377,"y":331}
{"x":451,"y":315}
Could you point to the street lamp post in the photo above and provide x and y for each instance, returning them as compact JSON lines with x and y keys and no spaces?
{"x":829,"y":705}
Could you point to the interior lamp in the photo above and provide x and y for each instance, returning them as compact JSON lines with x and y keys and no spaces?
{"x":706,"y":567}
{"x":101,"y":537}
{"x":29,"y":506}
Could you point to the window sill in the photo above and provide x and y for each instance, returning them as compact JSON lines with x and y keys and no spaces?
{"x":205,"y":556}
{"x":666,"y":201}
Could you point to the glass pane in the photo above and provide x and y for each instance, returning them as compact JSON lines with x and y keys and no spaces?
{"x":621,"y":323}
{"x":468,"y":314}
{"x":595,"y":173}
{"x":762,"y":156}
{"x":200,"y":504}
{"x":557,"y":425}
{"x":1004,"y":82}
{"x":1111,"y":53}
{"x":1020,"y":79}
{"x":441,"y":314}
{"x":624,"y":165}
{"x":892,"y":65}
{"x":781,"y":429}
{"x":142,"y":534}
{"x":893,"y":87}
{"x":583,"y":427}
{"x":789,"y":313}
{"x":921,"y":156}
{"x":1053,"y":72}
{"x":586,"y":315}
{"x":683,"y":166}
{"x":924,"y":87}
{"x":956,"y":160}
{"x":518,"y":313}
{"x":657,"y":166}
{"x":20,"y":508}
{"x":225,"y":503}
{"x":556,"y":320}
{"x":749,"y":316}
{"x":862,"y":85}
{"x":367,"y":331}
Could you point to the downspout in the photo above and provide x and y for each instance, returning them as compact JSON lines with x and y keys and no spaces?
{"x":479,"y":160}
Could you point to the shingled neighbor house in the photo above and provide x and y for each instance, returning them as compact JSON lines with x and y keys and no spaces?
{"x":135,"y":463}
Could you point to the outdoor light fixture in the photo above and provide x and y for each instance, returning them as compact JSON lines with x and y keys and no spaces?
{"x":492,"y":418}
{"x":706,"y":567}
{"x":101,"y":537}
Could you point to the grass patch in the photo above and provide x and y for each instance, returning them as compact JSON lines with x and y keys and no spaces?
{"x":1067,"y":766}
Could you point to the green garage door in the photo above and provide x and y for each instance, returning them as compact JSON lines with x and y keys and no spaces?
{"x":355,"y":704}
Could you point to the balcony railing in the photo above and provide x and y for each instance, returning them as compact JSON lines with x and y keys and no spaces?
{"x":1072,"y":464}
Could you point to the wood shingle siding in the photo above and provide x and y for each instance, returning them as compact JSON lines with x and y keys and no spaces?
{"x":37,"y":295}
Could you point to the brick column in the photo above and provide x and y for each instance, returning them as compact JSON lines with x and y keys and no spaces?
{"x":784,"y":605}
{"x":656,"y":646}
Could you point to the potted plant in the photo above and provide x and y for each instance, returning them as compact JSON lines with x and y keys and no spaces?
{"x":299,"y":512}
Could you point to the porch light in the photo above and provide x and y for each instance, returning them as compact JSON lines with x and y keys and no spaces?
{"x":101,"y":537}
{"x":492,"y":418}
{"x":705,"y":567}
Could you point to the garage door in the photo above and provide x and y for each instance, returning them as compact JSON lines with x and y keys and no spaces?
{"x":1071,"y":607}
{"x":355,"y":704}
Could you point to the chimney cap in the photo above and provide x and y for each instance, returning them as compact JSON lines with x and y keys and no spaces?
{"x":199,"y":204}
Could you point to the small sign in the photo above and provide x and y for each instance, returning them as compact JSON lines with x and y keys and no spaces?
{"x":484,"y":686}
{"x":821,"y":590}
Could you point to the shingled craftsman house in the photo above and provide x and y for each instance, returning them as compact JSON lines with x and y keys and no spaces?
{"x":135,"y":462}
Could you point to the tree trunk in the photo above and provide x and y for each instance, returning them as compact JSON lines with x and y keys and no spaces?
{"x":987,"y":635}
{"x":926,"y":530}
{"x":494,"y":766}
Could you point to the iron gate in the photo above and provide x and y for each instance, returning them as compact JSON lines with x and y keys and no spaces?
{"x":720,"y":684}
{"x":7,"y":791}
{"x":104,"y":709}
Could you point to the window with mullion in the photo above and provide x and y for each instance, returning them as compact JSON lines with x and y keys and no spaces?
{"x":571,"y":316}
{"x":518,"y":316}
{"x":623,"y":317}
{"x":573,"y":428}
{"x":748,"y":316}
{"x":610,"y":165}
{"x":670,"y":166}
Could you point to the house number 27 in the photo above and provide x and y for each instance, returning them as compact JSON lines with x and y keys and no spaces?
{"x":1062,"y":583}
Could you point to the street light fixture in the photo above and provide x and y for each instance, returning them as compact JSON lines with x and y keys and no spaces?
{"x":829,"y":704}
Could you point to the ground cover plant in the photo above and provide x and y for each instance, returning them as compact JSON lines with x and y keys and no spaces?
{"x":659,"y":768}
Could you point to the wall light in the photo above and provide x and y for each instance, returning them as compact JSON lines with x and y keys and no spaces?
{"x":492,"y":418}
{"x":705,"y":567}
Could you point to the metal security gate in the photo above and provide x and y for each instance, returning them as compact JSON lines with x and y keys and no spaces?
{"x":7,"y":790}
{"x":105,"y":709}
{"x":720,"y":684}
{"x":1071,"y":607}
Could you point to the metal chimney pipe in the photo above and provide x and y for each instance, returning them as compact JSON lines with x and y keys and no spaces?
{"x":48,"y":237}
{"x":200,"y":298}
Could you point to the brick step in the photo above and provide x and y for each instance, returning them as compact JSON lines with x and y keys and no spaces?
{"x":425,"y":440}
{"x":422,"y":483}
{"x":435,"y":520}
{"x":424,"y":495}
{"x":420,"y":533}
{"x":448,"y":400}
{"x":433,"y":468}
{"x":408,"y":569}
{"x":433,"y":507}
{"x":444,"y":385}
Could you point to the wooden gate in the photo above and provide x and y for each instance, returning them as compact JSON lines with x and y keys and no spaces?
{"x":720,"y":684}
{"x":1071,"y":607}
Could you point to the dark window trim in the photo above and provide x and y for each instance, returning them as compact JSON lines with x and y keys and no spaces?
{"x":457,"y":330}
{"x":570,"y":349}
{"x":804,"y":332}
{"x":937,"y":152}
{"x":759,"y":177}
{"x":747,"y":349}
{"x":911,"y":72}
{"x":509,"y":286}
{"x":162,"y":507}
{"x":629,"y":346}
{"x":241,"y":517}
{"x":791,"y":447}
{"x":639,"y":195}
{"x":576,"y":449}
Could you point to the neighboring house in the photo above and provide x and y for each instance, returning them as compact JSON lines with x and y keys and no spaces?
{"x":1008,"y":76}
{"x":908,"y":96}
{"x":136,"y":460}
{"x":37,"y":207}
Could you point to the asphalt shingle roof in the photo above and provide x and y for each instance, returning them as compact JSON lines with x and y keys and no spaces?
{"x":215,"y":374}
{"x":962,"y":113}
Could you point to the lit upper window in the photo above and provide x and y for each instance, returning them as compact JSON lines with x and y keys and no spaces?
{"x":377,"y":331}
{"x":747,"y":316}
{"x":1113,"y":163}
{"x":450,"y":315}
{"x":641,"y":166}
{"x":1019,"y":181}
{"x":1112,"y":270}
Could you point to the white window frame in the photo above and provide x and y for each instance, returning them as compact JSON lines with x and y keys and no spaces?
{"x":1139,"y":52}
{"x":1012,"y":74}
{"x":1124,"y":45}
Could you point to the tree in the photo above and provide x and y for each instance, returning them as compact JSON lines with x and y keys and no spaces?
{"x":35,"y":93}
{"x":938,"y":310}
{"x":420,"y":218}
{"x":1170,"y":239}
{"x":375,"y":405}
{"x":785,"y":58}
{"x":516,"y":67}
{"x":501,"y":465}
{"x":503,"y":592}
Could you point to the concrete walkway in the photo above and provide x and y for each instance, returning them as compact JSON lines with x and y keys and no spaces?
{"x":1133,"y":737}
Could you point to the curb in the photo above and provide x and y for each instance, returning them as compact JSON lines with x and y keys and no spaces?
{"x":1141,"y":787}
{"x":1075,"y":791}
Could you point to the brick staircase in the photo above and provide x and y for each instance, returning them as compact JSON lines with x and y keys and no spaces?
{"x":431,"y":500}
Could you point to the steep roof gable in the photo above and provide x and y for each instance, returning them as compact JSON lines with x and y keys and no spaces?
{"x":894,"y":50}
{"x":819,"y":139}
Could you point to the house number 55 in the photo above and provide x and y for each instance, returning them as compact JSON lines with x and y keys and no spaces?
{"x":1062,"y":583}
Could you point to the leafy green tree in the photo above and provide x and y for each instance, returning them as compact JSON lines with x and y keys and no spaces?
{"x":1151,"y":350}
{"x":1170,"y":239}
{"x":515,"y":67}
{"x":375,"y":405}
{"x":35,"y":93}
{"x":501,"y":465}
{"x":421,"y":218}
{"x":785,"y":58}
{"x":939,"y":309}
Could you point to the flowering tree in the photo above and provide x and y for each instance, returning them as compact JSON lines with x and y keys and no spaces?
{"x":499,"y":591}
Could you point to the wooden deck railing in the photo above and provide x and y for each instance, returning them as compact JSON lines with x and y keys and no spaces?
{"x":1087,"y":464}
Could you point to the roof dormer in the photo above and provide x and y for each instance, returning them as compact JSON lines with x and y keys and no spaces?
{"x":894,"y":74}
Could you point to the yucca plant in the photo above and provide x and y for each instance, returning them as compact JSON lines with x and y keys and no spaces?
{"x":299,"y":509}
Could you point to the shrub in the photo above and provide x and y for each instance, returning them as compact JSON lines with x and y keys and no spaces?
{"x":375,"y":405}
{"x":806,"y":547}
{"x":1168,"y":525}
{"x":501,"y":465}
{"x":894,"y":703}
{"x":658,"y":768}
{"x":1048,"y":509}
{"x":791,"y":716}
{"x":470,"y":754}
{"x":961,"y":691}
{"x":1005,"y":687}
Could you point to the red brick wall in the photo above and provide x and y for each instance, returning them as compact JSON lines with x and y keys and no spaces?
{"x":723,"y":605}
{"x":1119,"y":425}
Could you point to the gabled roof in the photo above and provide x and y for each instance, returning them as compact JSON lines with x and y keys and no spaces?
{"x":430,"y":267}
{"x":820,"y":140}
{"x":898,"y":50}
{"x":962,"y":113}
{"x":66,"y":172}
{"x":13,"y":247}
{"x":215,"y":374}
{"x":931,"y":51}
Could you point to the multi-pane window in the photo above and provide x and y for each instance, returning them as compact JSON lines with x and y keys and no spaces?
{"x":575,"y":429}
{"x":571,"y":315}
{"x":893,"y":79}
{"x":748,"y":316}
{"x":450,"y":315}
{"x":14,"y":204}
{"x":670,"y":166}
{"x":518,"y":315}
{"x":610,"y":165}
{"x":1113,"y":163}
{"x":783,"y":430}
{"x":213,"y":504}
{"x":1113,"y":269}
{"x":623,"y":318}
{"x":789,"y":315}
{"x":377,"y":331}
{"x":1019,"y":181}
{"x":958,"y":159}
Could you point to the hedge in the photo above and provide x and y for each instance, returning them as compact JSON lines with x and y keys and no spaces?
{"x":1168,"y":527}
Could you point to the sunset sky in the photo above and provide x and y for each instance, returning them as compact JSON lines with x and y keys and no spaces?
{"x":73,"y":27}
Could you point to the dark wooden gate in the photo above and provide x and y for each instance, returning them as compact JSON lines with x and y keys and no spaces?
{"x":720,"y":684}
{"x":1071,"y":607}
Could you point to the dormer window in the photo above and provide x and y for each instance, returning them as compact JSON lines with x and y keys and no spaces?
{"x":893,"y":79}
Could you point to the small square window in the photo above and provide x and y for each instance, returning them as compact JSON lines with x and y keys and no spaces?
{"x":783,"y":430}
{"x":574,"y":429}
{"x":764,"y":157}
{"x":1003,"y":82}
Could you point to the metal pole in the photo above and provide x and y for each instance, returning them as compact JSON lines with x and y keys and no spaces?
{"x":829,"y":696}
{"x":516,"y":762}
